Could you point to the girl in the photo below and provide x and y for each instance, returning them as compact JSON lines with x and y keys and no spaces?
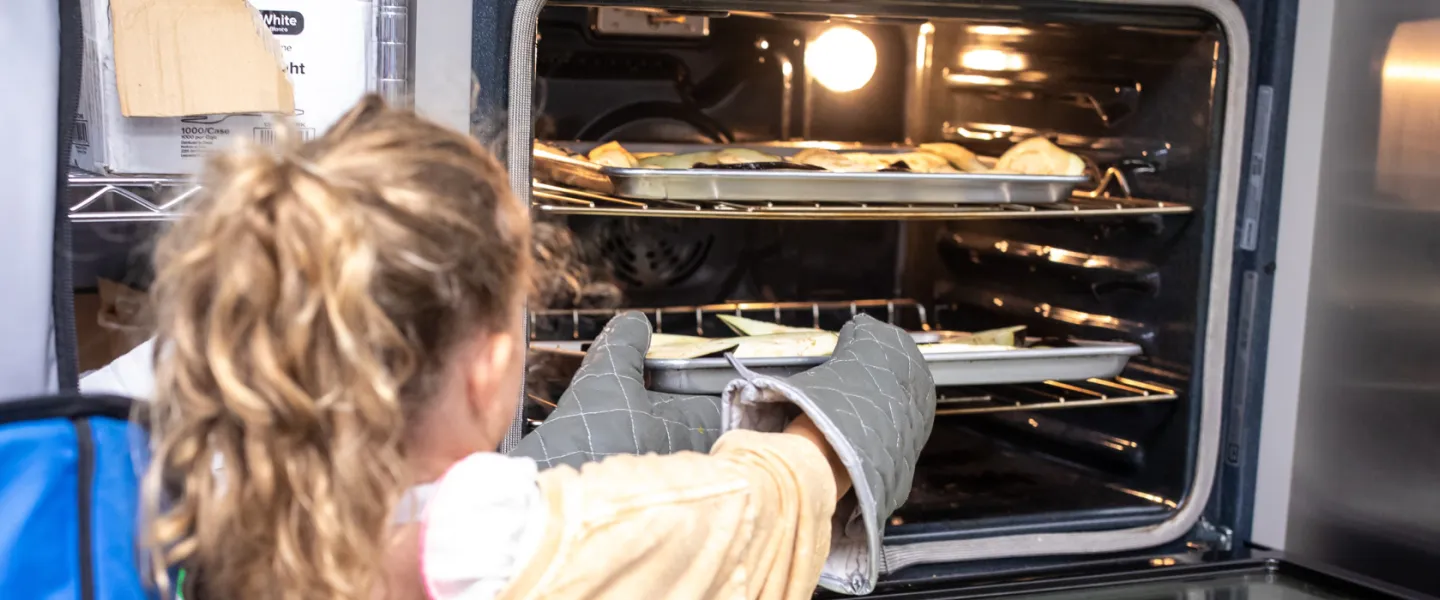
{"x":341,"y":325}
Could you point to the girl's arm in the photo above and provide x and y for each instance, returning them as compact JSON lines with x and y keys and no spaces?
{"x":750,"y":520}
{"x":805,"y":428}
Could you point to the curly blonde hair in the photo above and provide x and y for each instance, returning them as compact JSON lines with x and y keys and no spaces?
{"x":304,"y":311}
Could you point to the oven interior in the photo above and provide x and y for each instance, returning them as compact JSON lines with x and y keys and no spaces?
{"x":1133,"y":93}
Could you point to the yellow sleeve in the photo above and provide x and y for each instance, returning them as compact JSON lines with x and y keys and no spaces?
{"x":749,"y":520}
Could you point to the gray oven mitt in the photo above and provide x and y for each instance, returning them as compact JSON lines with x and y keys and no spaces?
{"x":607,"y":409}
{"x":875,"y":402}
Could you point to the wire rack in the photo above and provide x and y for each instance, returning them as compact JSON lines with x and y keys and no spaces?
{"x":127,"y":199}
{"x":1044,"y":396}
{"x":694,"y":317}
{"x":1050,"y":395}
{"x":563,"y":201}
{"x":1098,"y":202}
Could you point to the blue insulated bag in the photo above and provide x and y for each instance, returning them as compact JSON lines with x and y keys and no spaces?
{"x":69,"y":499}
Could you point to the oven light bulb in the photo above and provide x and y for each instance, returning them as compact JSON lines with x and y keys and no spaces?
{"x":841,"y":59}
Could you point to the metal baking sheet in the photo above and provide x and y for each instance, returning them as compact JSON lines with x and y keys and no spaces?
{"x":1026,"y":365}
{"x":796,"y":186}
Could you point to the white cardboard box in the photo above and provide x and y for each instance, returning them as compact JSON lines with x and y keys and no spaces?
{"x":325,"y":44}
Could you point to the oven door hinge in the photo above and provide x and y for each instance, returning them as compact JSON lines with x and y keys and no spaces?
{"x":1209,"y":536}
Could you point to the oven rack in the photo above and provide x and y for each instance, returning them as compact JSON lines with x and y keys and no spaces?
{"x":1100,"y":202}
{"x":98,"y":198}
{"x":1050,"y":395}
{"x":1045,"y":396}
{"x":775,"y":310}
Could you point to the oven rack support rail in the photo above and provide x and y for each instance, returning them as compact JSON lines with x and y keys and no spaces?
{"x":130,"y":199}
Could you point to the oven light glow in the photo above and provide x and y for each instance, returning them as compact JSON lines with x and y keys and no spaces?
{"x":841,"y":59}
{"x":997,"y":30}
{"x":989,"y":59}
{"x":982,"y":131}
{"x":1412,"y":72}
{"x":970,"y":79}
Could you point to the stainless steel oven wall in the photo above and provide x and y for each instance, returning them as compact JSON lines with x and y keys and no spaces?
{"x":739,"y":79}
{"x":1221,"y":218}
{"x":1351,"y":428}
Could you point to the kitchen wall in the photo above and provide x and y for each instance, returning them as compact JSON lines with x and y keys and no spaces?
{"x":29,"y":34}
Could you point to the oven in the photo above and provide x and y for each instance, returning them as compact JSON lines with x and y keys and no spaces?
{"x":1142,"y":253}
{"x":1129,"y":439}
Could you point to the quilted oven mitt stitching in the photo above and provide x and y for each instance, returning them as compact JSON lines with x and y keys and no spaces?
{"x":608,"y":411}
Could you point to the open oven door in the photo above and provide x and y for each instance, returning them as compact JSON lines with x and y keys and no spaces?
{"x":1261,"y":575}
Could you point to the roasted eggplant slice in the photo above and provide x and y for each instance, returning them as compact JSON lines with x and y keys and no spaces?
{"x":735,"y":156}
{"x":761,"y":166}
{"x":831,"y":161}
{"x":924,"y":162}
{"x":678,"y":161}
{"x":956,"y":155}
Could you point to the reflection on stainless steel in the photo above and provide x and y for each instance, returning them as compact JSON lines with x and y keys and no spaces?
{"x":917,"y":77}
{"x":1054,"y":395}
{"x":998,"y":30}
{"x":787,"y":86}
{"x":973,"y":80}
{"x":992,"y":59}
{"x":1010,"y":304}
{"x":1408,"y":149}
{"x":1109,"y":102}
{"x":1088,"y":440}
{"x":1126,"y":99}
{"x":981,"y":131}
{"x":1365,"y":484}
{"x":984,"y":243}
{"x":1139,"y":494}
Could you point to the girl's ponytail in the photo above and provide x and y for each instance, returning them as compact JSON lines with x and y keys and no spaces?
{"x":304,"y":308}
